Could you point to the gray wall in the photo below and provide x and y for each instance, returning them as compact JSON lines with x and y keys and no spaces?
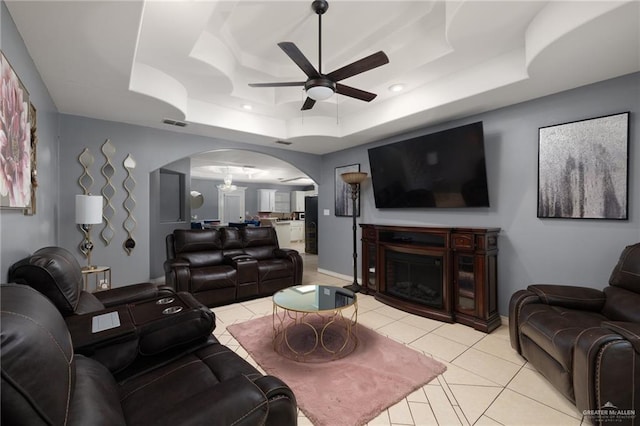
{"x":151,"y":149}
{"x":579,"y":252}
{"x":21,"y":235}
{"x":159,"y":228}
{"x":207,"y":188}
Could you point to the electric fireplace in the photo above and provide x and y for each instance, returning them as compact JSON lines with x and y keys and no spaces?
{"x":448,"y":274}
{"x":414,"y":277}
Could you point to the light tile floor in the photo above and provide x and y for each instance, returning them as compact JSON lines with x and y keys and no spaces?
{"x":486,"y":382}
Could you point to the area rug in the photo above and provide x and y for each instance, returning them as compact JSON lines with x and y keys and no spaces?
{"x":345,"y":392}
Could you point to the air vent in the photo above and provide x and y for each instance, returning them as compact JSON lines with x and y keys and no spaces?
{"x":284,"y":142}
{"x":174,"y":122}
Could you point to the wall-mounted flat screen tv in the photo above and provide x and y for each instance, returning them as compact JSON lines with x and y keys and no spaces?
{"x":444,"y":169}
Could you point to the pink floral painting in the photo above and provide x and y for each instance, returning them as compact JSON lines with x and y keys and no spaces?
{"x":15,"y":141}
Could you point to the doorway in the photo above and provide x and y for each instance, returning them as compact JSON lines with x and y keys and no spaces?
{"x":231,"y":205}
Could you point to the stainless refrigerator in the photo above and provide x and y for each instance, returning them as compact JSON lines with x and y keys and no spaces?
{"x":311,"y":225}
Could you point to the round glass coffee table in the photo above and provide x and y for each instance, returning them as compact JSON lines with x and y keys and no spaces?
{"x":315,"y":323}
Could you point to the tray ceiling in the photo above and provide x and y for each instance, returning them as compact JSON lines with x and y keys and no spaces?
{"x":191,"y":61}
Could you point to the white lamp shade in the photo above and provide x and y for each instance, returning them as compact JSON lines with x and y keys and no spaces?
{"x":319,"y":93}
{"x":88,"y":209}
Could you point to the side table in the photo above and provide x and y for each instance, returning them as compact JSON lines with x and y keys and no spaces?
{"x":101,"y":277}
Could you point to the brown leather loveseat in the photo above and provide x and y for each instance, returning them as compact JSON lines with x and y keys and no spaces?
{"x":45,"y":383}
{"x":225,"y":265}
{"x":586,"y":342}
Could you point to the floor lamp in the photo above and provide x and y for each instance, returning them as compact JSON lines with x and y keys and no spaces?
{"x":88,"y":212}
{"x":354,"y":179}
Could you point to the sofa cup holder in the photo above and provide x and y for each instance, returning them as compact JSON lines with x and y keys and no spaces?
{"x":172,"y":310}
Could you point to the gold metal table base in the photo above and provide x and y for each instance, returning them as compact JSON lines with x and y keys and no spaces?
{"x":315,"y":336}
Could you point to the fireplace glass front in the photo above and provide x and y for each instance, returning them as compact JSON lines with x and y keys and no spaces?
{"x":415,"y":277}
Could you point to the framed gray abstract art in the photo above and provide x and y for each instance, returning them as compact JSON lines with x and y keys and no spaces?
{"x":583,"y":169}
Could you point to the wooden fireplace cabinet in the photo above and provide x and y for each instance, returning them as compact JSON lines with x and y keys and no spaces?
{"x":470,"y":270}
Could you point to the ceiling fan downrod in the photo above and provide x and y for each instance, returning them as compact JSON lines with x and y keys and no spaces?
{"x":319,"y":86}
{"x":320,"y":7}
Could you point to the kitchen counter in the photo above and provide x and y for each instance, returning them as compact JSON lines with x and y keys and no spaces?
{"x":297,"y":230}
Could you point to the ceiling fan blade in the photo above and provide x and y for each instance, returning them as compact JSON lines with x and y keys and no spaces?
{"x":280,"y":84}
{"x":355,"y":93}
{"x":298,"y":57}
{"x":357,"y":67}
{"x":308,"y":104}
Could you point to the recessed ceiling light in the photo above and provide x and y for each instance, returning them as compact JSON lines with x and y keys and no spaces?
{"x":396,"y":87}
{"x":247,"y":107}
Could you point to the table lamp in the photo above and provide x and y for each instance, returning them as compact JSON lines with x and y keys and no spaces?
{"x":88,"y":212}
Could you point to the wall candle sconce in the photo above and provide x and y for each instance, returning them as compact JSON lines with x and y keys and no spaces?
{"x":88,"y":212}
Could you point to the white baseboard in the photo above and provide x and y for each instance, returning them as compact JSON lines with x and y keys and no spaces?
{"x":337,"y":275}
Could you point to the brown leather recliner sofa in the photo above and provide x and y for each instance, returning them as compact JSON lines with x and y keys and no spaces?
{"x":144,"y":332}
{"x":586,"y":342}
{"x":44,"y":382}
{"x":225,"y":265}
{"x":56,"y":273}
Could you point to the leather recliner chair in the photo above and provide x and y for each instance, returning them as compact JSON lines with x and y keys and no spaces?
{"x":44,"y":382}
{"x":586,"y":342}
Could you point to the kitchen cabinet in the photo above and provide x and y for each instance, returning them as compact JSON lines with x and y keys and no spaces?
{"x":266,"y":200}
{"x":475,"y":278}
{"x":283,"y":202}
{"x":297,"y":230}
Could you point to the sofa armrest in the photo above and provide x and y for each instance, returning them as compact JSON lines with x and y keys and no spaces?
{"x":177,"y":274}
{"x":296,"y":260}
{"x":603,"y":370}
{"x":161,"y":333}
{"x":571,"y":297}
{"x":115,"y":348}
{"x":175,"y":263}
{"x":131,"y":293}
{"x":517,"y":301}
{"x":284,"y":252}
{"x":282,"y":402}
{"x":628,"y":330}
{"x":273,"y":387}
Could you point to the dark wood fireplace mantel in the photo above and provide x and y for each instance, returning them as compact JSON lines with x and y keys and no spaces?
{"x":448,"y":274}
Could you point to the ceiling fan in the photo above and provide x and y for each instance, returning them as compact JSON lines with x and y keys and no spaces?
{"x":322,"y":86}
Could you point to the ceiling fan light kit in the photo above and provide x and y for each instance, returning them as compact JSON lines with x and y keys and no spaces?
{"x":320,"y":89}
{"x":318,"y":86}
